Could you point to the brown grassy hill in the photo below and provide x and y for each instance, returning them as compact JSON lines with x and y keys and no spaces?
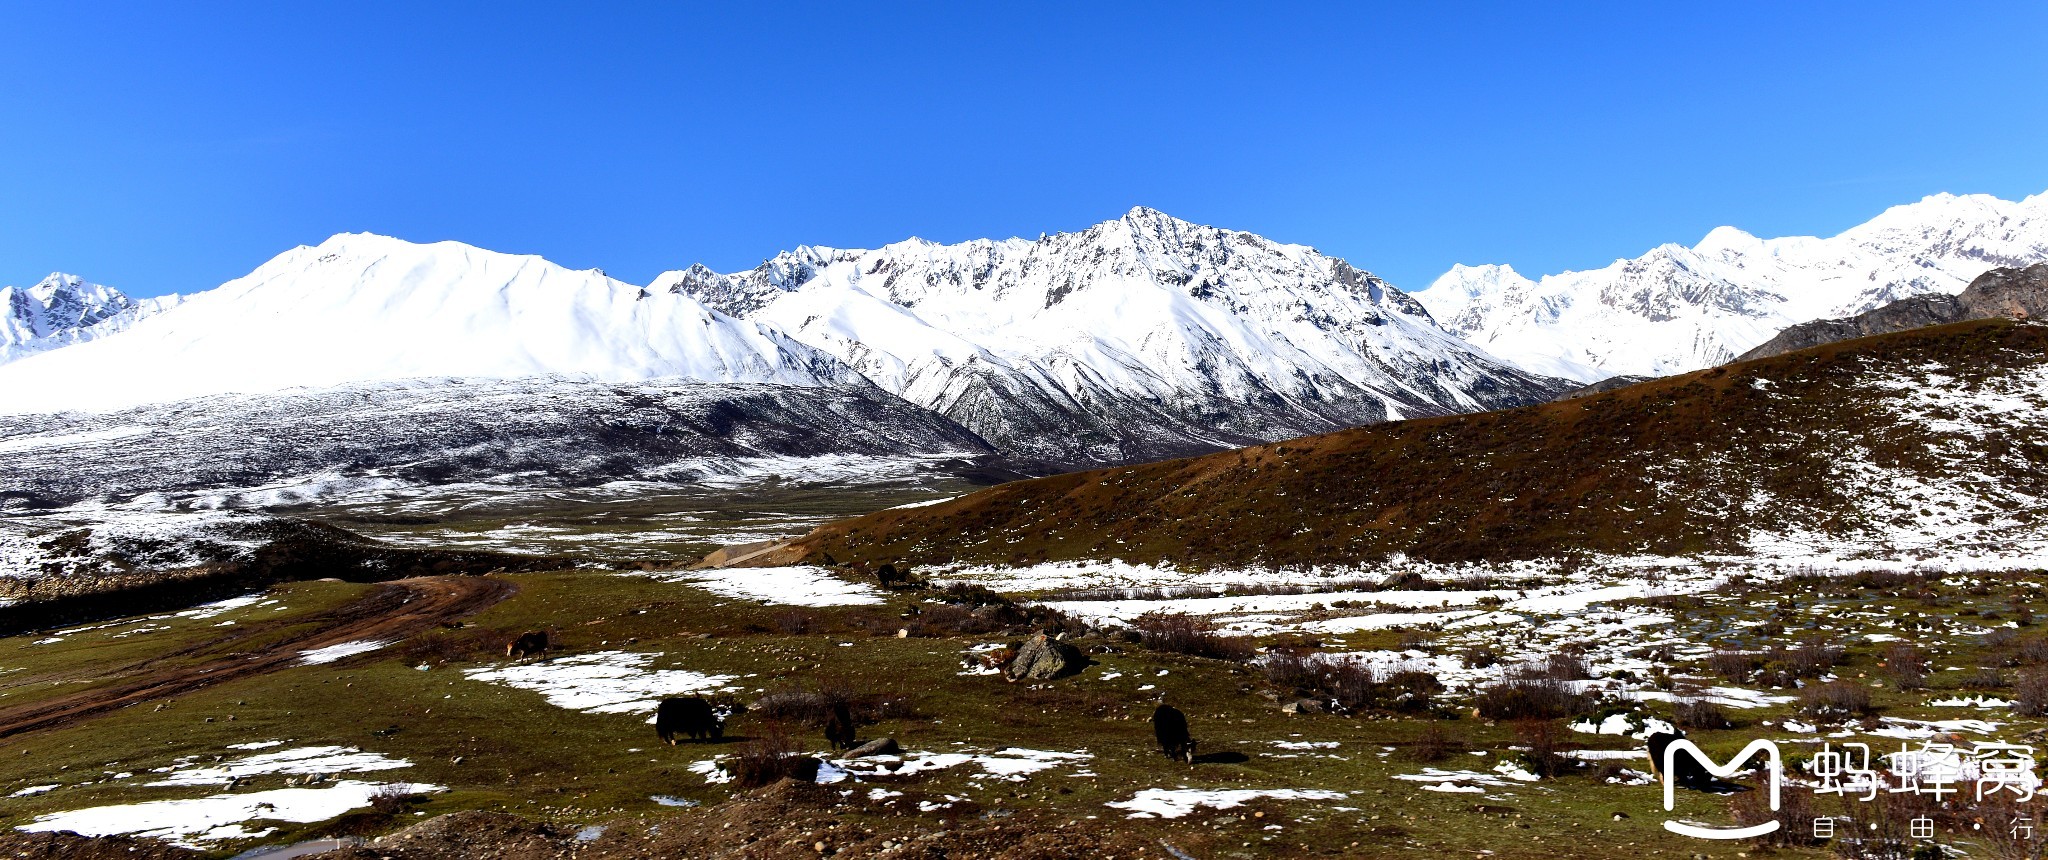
{"x":1921,"y":441}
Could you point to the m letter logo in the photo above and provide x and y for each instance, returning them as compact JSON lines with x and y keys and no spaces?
{"x":1777,"y":776}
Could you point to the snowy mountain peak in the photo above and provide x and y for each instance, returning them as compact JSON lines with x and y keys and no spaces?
{"x":1143,"y":321}
{"x":364,"y":308}
{"x":61,"y":310}
{"x":1677,"y":308}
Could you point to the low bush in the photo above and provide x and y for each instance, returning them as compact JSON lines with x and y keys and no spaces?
{"x":770,"y":758}
{"x":2030,"y":692}
{"x":1835,"y":700}
{"x":1350,"y":685}
{"x":1522,"y":695}
{"x":1191,"y":635}
{"x":1702,"y":714}
{"x":1906,"y":665}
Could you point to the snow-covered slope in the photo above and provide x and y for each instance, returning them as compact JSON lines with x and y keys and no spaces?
{"x":1676,"y":308}
{"x":63,"y":310}
{"x":365,"y":308}
{"x":1141,"y":336}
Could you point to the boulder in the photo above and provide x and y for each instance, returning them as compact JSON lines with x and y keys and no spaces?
{"x":1043,"y":658}
{"x":1302,"y":706}
{"x":878,"y":746}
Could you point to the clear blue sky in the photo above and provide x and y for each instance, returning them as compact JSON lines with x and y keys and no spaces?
{"x":170,"y":148}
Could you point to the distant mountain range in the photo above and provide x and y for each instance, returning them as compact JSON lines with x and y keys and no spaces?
{"x":1141,"y":337}
{"x":1920,"y":444}
{"x":1677,"y":309}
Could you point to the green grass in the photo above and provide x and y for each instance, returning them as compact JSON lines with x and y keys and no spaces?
{"x":520,"y":754}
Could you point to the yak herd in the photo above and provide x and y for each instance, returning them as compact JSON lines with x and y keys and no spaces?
{"x":696,"y":719}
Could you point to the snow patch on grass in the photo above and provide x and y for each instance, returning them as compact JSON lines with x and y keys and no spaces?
{"x":603,"y":682}
{"x":1174,"y":803}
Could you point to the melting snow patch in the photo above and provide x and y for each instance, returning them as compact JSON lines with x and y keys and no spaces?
{"x":603,"y":682}
{"x":304,"y":760}
{"x":209,"y":610}
{"x":332,"y":653}
{"x":1011,"y":764}
{"x":713,"y":772}
{"x":34,"y":790}
{"x":201,"y":822}
{"x":1174,"y":803}
{"x":1971,"y":702}
{"x":788,"y":586}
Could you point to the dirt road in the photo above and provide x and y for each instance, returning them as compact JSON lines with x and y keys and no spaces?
{"x":392,"y":611}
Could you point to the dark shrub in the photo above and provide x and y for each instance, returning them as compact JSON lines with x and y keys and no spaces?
{"x":770,"y":758}
{"x":1835,"y":700}
{"x":2030,"y":693}
{"x":793,"y":622}
{"x":1435,"y":744}
{"x":1187,"y":634}
{"x":1530,"y":695}
{"x":1984,"y":678}
{"x":1545,"y":743}
{"x":1906,"y":665}
{"x":1733,"y":665}
{"x":1702,"y":714}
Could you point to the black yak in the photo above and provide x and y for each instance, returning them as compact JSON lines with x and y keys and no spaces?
{"x":1171,"y":727}
{"x":892,"y":576}
{"x":528,"y":644}
{"x":1687,"y":771}
{"x":691,"y":716}
{"x":839,"y":728}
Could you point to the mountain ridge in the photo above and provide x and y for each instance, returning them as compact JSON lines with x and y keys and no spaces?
{"x":1900,"y":445}
{"x":1137,"y":338}
{"x":1677,"y":309}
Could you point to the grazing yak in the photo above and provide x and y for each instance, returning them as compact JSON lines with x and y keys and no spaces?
{"x":692,"y":716}
{"x":1687,"y":772}
{"x":530,"y":643}
{"x":1171,"y":727}
{"x":839,"y":728}
{"x":892,"y":576}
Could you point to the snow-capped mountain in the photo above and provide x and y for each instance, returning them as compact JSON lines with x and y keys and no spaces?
{"x":363,"y":308}
{"x":63,"y":310}
{"x":1677,"y":309}
{"x":1138,"y":337}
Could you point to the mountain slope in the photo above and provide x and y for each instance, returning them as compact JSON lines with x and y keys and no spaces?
{"x":362,"y":308}
{"x":304,"y":447}
{"x":63,"y":310}
{"x":1139,"y":337}
{"x":1927,"y":441}
{"x":2014,"y":293}
{"x":1677,"y":309}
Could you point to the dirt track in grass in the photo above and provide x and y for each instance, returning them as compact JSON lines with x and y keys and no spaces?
{"x":390,"y":612}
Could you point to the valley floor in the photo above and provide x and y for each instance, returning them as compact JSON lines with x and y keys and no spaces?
{"x":312,"y":727}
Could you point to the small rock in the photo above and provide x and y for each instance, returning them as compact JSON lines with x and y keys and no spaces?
{"x":878,"y":746}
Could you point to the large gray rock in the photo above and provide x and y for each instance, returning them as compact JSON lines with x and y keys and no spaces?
{"x":1044,"y":658}
{"x":878,"y":746}
{"x":2011,"y":293}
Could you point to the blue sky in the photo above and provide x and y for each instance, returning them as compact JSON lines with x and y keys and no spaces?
{"x":170,"y":148}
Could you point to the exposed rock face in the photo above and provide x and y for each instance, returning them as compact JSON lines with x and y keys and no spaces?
{"x":1044,"y":658}
{"x":2012,"y":293}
